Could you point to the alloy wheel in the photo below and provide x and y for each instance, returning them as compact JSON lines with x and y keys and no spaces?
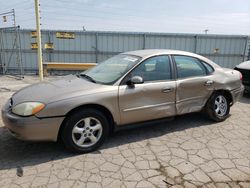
{"x":87,"y":132}
{"x":220,"y":105}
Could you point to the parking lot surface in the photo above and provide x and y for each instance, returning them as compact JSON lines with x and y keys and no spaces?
{"x":189,"y":151}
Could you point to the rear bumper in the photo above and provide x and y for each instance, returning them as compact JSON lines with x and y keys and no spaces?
{"x":237,"y":93}
{"x":247,"y":88}
{"x":31,"y":128}
{"x":246,"y":84}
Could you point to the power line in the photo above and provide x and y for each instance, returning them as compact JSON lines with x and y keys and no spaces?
{"x":83,"y":10}
{"x":75,"y":14}
{"x":13,"y":5}
{"x":77,"y":20}
{"x":91,"y":5}
{"x":78,"y":14}
{"x":92,"y":26}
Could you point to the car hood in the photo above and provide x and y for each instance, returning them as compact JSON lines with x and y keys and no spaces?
{"x":59,"y":89}
{"x":244,"y":65}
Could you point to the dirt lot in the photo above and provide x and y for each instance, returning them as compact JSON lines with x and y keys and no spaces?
{"x":190,"y":151}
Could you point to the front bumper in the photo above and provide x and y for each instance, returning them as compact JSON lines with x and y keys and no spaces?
{"x":31,"y":128}
{"x":237,"y":93}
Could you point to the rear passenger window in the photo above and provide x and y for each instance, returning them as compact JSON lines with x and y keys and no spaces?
{"x":189,"y":67}
{"x":209,"y":68}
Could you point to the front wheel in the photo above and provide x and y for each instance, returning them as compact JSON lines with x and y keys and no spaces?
{"x":85,"y":130}
{"x":218,"y":107}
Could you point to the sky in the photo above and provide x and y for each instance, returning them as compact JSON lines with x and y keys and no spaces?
{"x":164,"y":16}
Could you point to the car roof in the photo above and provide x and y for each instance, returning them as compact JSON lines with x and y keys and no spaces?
{"x":152,"y":52}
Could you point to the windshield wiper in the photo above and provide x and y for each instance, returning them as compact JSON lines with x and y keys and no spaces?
{"x":87,"y":77}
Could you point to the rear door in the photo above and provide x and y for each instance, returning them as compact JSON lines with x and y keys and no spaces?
{"x":153,"y":99}
{"x":194,"y":83}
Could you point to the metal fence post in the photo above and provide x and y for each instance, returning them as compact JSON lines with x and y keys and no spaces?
{"x":144,"y":41}
{"x":248,"y":56}
{"x":195,"y":43}
{"x":245,"y":48}
{"x":96,"y":47}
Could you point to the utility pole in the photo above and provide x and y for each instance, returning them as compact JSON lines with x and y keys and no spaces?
{"x":38,"y":39}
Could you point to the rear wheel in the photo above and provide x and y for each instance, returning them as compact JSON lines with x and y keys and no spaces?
{"x":218,"y":107}
{"x":85,"y":130}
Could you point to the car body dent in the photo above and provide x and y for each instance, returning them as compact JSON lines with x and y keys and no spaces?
{"x":192,"y":93}
{"x":227,"y":79}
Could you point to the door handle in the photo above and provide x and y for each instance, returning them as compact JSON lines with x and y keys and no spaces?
{"x":167,"y":90}
{"x":209,"y":83}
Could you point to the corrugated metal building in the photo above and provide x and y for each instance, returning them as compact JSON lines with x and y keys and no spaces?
{"x":92,"y":46}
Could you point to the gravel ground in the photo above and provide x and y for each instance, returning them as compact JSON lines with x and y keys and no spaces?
{"x":189,"y":151}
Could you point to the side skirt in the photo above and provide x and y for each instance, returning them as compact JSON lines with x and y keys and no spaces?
{"x":142,"y":124}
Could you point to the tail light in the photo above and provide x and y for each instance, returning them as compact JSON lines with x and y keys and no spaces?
{"x":241,"y":77}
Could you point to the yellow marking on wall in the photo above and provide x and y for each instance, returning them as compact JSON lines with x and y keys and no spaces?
{"x":34,"y":46}
{"x":4,"y":18}
{"x":33,"y":34}
{"x":49,"y":46}
{"x":65,"y":35}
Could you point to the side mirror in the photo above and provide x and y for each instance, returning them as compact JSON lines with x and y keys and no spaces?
{"x":135,"y":80}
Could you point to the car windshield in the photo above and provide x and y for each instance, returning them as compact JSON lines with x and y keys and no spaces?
{"x":109,"y":71}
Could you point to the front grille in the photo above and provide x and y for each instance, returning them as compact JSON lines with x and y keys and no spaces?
{"x":245,"y":74}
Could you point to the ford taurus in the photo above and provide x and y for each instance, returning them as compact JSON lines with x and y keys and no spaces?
{"x":132,"y":87}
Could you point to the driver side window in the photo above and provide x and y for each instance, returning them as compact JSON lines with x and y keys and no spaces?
{"x":154,"y":69}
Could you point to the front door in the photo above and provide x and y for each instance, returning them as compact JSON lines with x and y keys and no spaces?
{"x":153,"y":99}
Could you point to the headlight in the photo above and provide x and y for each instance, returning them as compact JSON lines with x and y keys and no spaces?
{"x":28,"y":108}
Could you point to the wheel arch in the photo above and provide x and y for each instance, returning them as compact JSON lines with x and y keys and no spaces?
{"x":101,"y":108}
{"x":209,"y":107}
{"x":227,"y":94}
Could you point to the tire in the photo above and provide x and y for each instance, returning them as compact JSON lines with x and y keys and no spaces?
{"x":85,"y":130}
{"x":217,"y":107}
